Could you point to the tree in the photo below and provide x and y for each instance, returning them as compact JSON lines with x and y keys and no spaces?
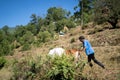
{"x":64,"y":22}
{"x":32,"y":28}
{"x":44,"y":36}
{"x":41,"y":22}
{"x":107,"y":11}
{"x":19,"y":31}
{"x":5,"y":29}
{"x":55,"y":14}
{"x":28,"y":37}
{"x":84,"y":10}
{"x":33,"y":19}
{"x":1,"y":36}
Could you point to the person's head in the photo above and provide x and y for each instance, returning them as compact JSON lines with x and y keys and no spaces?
{"x":81,"y":38}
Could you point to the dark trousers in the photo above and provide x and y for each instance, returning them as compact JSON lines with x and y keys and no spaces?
{"x":92,"y":57}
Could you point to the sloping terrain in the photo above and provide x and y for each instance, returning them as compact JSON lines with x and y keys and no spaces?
{"x":106,"y":44}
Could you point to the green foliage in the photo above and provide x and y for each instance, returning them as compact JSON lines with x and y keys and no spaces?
{"x":72,"y":40}
{"x":44,"y":36}
{"x":118,"y":75}
{"x":39,"y":30}
{"x":27,"y":37}
{"x":84,"y":11}
{"x":26,"y":47}
{"x":107,"y":11}
{"x":28,"y":69}
{"x":69,"y":23}
{"x":1,"y":35}
{"x":5,"y":48}
{"x":19,"y":31}
{"x":31,"y":28}
{"x":2,"y":62}
{"x":55,"y":14}
{"x":6,"y":39}
{"x":61,"y":69}
{"x":51,"y":27}
{"x":57,"y":18}
{"x":59,"y":26}
{"x":34,"y":19}
{"x":41,"y":22}
{"x":61,"y":23}
{"x":5,"y":29}
{"x":47,"y":68}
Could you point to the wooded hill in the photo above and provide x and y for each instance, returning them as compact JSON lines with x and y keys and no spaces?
{"x":23,"y":51}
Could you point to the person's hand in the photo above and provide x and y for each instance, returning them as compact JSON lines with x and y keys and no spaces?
{"x":80,"y":50}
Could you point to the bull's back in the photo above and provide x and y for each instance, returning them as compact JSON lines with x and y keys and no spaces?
{"x":57,"y":51}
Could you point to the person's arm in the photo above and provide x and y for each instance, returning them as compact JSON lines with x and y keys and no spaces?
{"x":83,"y":49}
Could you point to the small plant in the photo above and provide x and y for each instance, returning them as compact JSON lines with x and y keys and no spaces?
{"x":72,"y":40}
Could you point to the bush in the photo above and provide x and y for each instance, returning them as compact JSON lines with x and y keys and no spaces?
{"x":61,"y":70}
{"x":44,"y":36}
{"x":28,"y":37}
{"x":29,"y":69}
{"x":5,"y":47}
{"x":72,"y":40}
{"x":47,"y":68}
{"x":65,"y":68}
{"x":2,"y":62}
{"x":26,"y":47}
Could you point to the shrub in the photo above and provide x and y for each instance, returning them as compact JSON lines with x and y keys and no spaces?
{"x":65,"y":68}
{"x":44,"y":36}
{"x":2,"y":62}
{"x":72,"y":40}
{"x":61,"y":70}
{"x":5,"y":47}
{"x":28,"y":69}
{"x":47,"y":68}
{"x":26,"y":47}
{"x":28,"y":37}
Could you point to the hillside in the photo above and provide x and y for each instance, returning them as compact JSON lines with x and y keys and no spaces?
{"x":106,"y":44}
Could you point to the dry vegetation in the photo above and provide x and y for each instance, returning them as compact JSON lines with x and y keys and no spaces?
{"x":105,"y":42}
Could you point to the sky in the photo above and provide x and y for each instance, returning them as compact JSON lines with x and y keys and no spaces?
{"x":18,"y":12}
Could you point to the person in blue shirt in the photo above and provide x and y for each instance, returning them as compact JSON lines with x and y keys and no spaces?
{"x":89,"y":52}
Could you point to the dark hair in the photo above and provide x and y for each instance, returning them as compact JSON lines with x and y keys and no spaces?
{"x":81,"y":37}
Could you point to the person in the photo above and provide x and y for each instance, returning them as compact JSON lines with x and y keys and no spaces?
{"x":89,"y":52}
